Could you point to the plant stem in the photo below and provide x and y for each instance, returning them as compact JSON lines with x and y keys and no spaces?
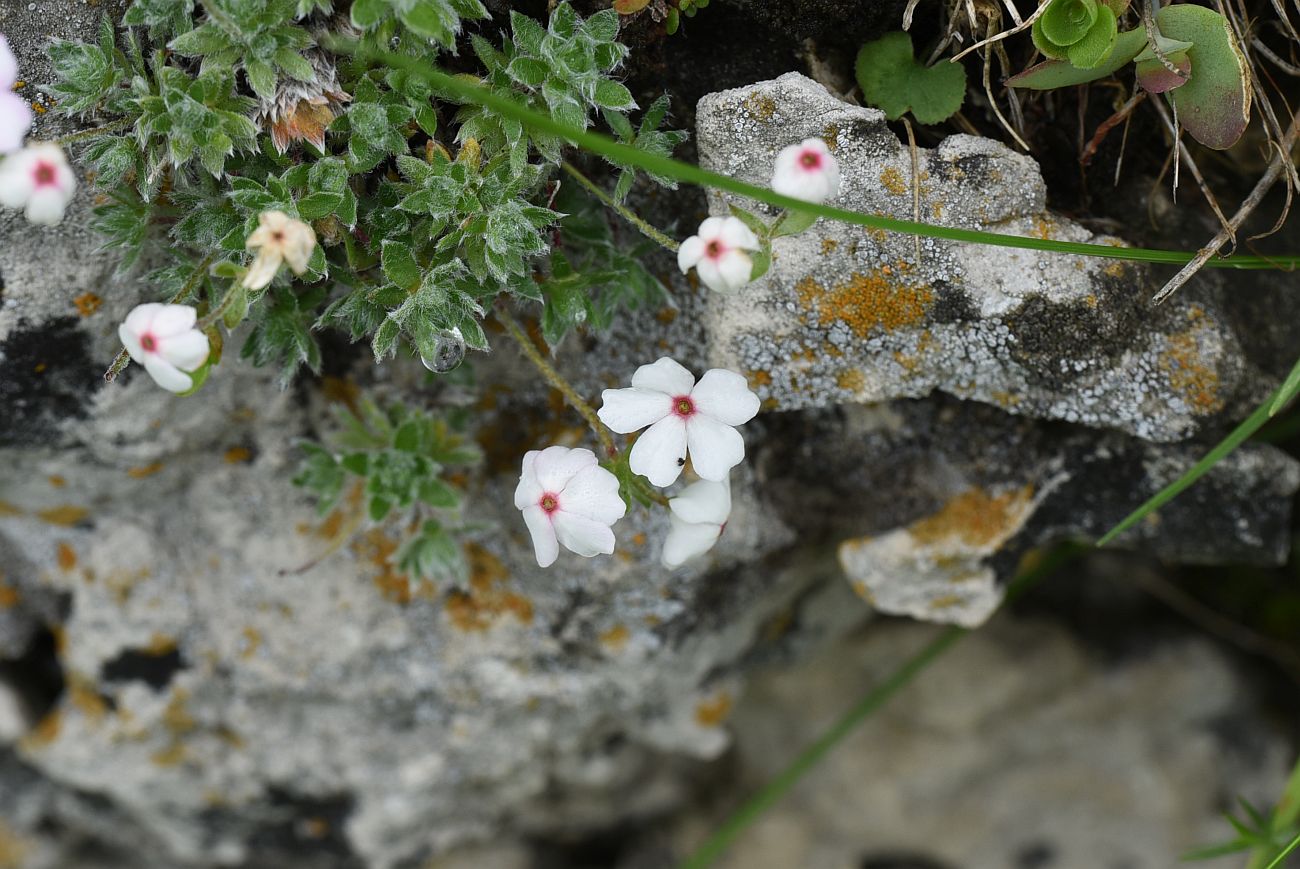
{"x":554,"y":378}
{"x":121,"y":124}
{"x":874,"y":699}
{"x":1285,"y":814}
{"x":216,"y":313}
{"x":123,"y":358}
{"x":628,"y":214}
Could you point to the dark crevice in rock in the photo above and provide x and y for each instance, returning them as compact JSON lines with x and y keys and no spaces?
{"x":154,"y":669}
{"x":902,"y":861}
{"x":303,"y":830}
{"x":37,"y":675}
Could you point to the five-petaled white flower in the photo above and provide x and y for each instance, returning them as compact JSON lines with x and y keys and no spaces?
{"x":278,"y":238}
{"x":683,"y":416}
{"x":163,"y":339}
{"x":15,"y":114}
{"x":807,"y":171}
{"x":699,"y":516}
{"x":720,"y":253}
{"x":568,"y":498}
{"x":38,"y":178}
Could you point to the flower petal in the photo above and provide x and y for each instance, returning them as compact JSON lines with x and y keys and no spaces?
{"x":712,"y":277}
{"x":660,"y":451}
{"x":736,"y":234}
{"x":664,"y":375}
{"x":131,"y":340}
{"x":735,"y":268}
{"x":187,"y":351}
{"x":263,"y":269}
{"x":704,"y":501}
{"x":8,"y":65}
{"x":546,"y":546}
{"x":584,"y":536}
{"x":529,"y":492}
{"x":593,"y":494}
{"x":715,"y":448}
{"x":555,"y":466}
{"x":141,"y":318}
{"x":711,"y":228}
{"x":725,"y":396}
{"x":15,"y":121}
{"x":165,"y":374}
{"x":46,"y":206}
{"x":690,"y":253}
{"x":687,"y":540}
{"x":172,"y":320}
{"x":629,"y":410}
{"x":16,"y":181}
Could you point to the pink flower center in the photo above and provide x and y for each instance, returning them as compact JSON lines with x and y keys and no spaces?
{"x":683,"y":406}
{"x":45,"y":174}
{"x":148,"y":343}
{"x":810,"y":160}
{"x":549,"y":503}
{"x":715,"y":249}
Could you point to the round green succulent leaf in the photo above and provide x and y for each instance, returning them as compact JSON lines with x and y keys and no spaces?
{"x":1097,"y":43}
{"x":1045,"y":45}
{"x":1067,"y":21}
{"x":1053,"y":74}
{"x":1214,"y":103}
{"x":893,"y":80}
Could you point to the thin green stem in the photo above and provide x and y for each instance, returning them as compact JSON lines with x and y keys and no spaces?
{"x":123,"y":358}
{"x":554,"y":378}
{"x":1285,"y":814}
{"x":460,"y":89}
{"x":628,"y":214}
{"x":219,"y":311}
{"x":874,"y":699}
{"x":78,"y":136}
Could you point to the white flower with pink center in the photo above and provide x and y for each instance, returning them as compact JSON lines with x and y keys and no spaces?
{"x":683,"y":417}
{"x":39,"y":180}
{"x":15,"y":114}
{"x":278,"y":239}
{"x":699,"y":516}
{"x":568,"y":498}
{"x":807,"y":171}
{"x":720,"y":253}
{"x":163,"y":339}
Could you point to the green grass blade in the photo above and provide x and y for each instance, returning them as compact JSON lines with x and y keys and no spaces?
{"x":1235,"y":438}
{"x":1277,"y":861}
{"x":1288,"y":391}
{"x":774,"y":790}
{"x":469,"y":91}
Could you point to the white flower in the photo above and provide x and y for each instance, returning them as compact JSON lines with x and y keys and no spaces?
{"x":15,"y":114}
{"x":278,"y":238}
{"x":163,"y":339}
{"x":567,"y":497}
{"x":718,"y":253}
{"x":699,"y":515}
{"x":683,"y":416}
{"x":39,"y":178}
{"x":807,"y":171}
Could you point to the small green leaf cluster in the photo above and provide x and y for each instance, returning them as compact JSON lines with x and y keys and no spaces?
{"x":426,"y":210}
{"x":1080,"y":31}
{"x":688,"y":8}
{"x":1256,"y":830}
{"x":397,"y":458}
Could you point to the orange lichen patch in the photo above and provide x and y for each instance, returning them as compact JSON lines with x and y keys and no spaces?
{"x":666,"y":315}
{"x":1044,"y":228}
{"x":1090,"y":300}
{"x":975,"y":517}
{"x":376,"y":548}
{"x":1114,"y":269}
{"x":82,"y":696}
{"x":7,"y":509}
{"x":936,"y":210}
{"x":946,"y":601}
{"x":340,"y":391}
{"x":172,"y":755}
{"x":851,"y":380}
{"x":639,"y":539}
{"x":65,"y":515}
{"x":87,"y":304}
{"x":760,"y":107}
{"x":615,"y":639}
{"x":66,"y":557}
{"x":711,"y":713}
{"x":46,"y":731}
{"x":487,"y":599}
{"x":778,"y":626}
{"x":57,"y":482}
{"x":867,"y":302}
{"x":159,"y":644}
{"x":13,"y":849}
{"x":1189,"y":373}
{"x":1004,"y":399}
{"x":831,"y":135}
{"x":252,"y":642}
{"x":829,"y":245}
{"x":237,"y":455}
{"x":893,"y":181}
{"x":759,"y":378}
{"x":9,"y":596}
{"x":139,"y":473}
{"x":176,"y":718}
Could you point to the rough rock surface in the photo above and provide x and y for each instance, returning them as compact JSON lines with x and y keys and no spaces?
{"x":852,"y":314}
{"x":170,"y":696}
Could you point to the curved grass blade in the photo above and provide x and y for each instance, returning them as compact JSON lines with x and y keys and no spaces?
{"x":469,"y":91}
